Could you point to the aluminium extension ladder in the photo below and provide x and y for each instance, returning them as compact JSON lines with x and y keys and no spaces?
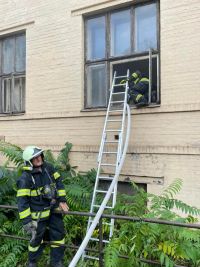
{"x":106,"y":170}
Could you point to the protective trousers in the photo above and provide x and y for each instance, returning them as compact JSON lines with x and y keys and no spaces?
{"x":138,"y":94}
{"x":49,"y":230}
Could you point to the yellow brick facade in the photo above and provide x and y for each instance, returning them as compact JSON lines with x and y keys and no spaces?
{"x":165,"y":140}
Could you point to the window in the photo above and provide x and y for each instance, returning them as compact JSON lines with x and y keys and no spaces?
{"x":12,"y":74}
{"x":145,"y":28}
{"x":96,"y":81}
{"x":120,"y":29}
{"x":96,"y":40}
{"x":117,"y":40}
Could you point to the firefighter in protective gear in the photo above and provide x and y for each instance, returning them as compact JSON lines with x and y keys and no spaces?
{"x":40,"y":191}
{"x":138,"y":89}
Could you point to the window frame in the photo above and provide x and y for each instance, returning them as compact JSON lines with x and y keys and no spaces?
{"x":86,"y":81}
{"x":109,"y":59}
{"x":12,"y":75}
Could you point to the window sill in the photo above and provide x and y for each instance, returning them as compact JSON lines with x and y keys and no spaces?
{"x":11,"y":114}
{"x":93,"y":109}
{"x":131,"y":107}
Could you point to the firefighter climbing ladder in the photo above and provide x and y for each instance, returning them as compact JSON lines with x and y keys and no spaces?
{"x":105,"y":189}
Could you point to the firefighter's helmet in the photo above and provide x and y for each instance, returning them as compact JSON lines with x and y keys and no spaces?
{"x":31,"y":152}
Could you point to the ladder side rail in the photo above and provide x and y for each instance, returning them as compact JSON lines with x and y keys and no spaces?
{"x":107,"y":113}
{"x":101,"y":147}
{"x":120,"y":147}
{"x":119,"y":150}
{"x":123,"y":119}
{"x":105,"y":201}
{"x":95,"y":187}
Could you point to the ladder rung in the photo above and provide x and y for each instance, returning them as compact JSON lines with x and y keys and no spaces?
{"x":104,"y":223}
{"x":115,"y":102}
{"x":102,"y":191}
{"x":118,"y":93}
{"x":111,"y":142}
{"x":107,"y":207}
{"x":118,"y":84}
{"x":96,"y":239}
{"x":108,"y":164}
{"x":91,"y":257}
{"x":114,"y":120}
{"x":119,"y":77}
{"x":114,"y":130}
{"x":106,"y":178}
{"x":109,"y":152}
{"x":116,"y":110}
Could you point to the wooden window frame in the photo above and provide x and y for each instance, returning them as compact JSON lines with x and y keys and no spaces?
{"x":108,"y":60}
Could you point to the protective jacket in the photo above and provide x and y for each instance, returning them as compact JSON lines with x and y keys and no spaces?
{"x":140,"y":85}
{"x":139,"y":90}
{"x":32,"y":201}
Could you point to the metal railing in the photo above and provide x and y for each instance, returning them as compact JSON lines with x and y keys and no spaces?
{"x":100,"y":224}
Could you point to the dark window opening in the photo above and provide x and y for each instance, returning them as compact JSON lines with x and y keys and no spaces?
{"x":123,"y":187}
{"x":143,"y":66}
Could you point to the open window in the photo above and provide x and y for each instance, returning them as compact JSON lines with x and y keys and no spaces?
{"x":149,"y":68}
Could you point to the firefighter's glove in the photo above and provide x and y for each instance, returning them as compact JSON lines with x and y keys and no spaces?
{"x":30,"y":228}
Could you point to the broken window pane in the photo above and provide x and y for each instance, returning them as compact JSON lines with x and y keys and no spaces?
{"x":20,"y":53}
{"x":8,"y":55}
{"x":145,"y":28}
{"x":96,"y":38}
{"x":121,"y":33}
{"x":96,"y":85}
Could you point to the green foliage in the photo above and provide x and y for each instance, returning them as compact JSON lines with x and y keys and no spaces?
{"x":112,"y":253}
{"x":11,"y":250}
{"x":78,"y":186}
{"x":62,"y":161}
{"x":169,"y":245}
{"x":12,"y":152}
{"x":167,"y":201}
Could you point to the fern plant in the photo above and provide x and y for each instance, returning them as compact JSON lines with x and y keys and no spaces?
{"x":12,"y":152}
